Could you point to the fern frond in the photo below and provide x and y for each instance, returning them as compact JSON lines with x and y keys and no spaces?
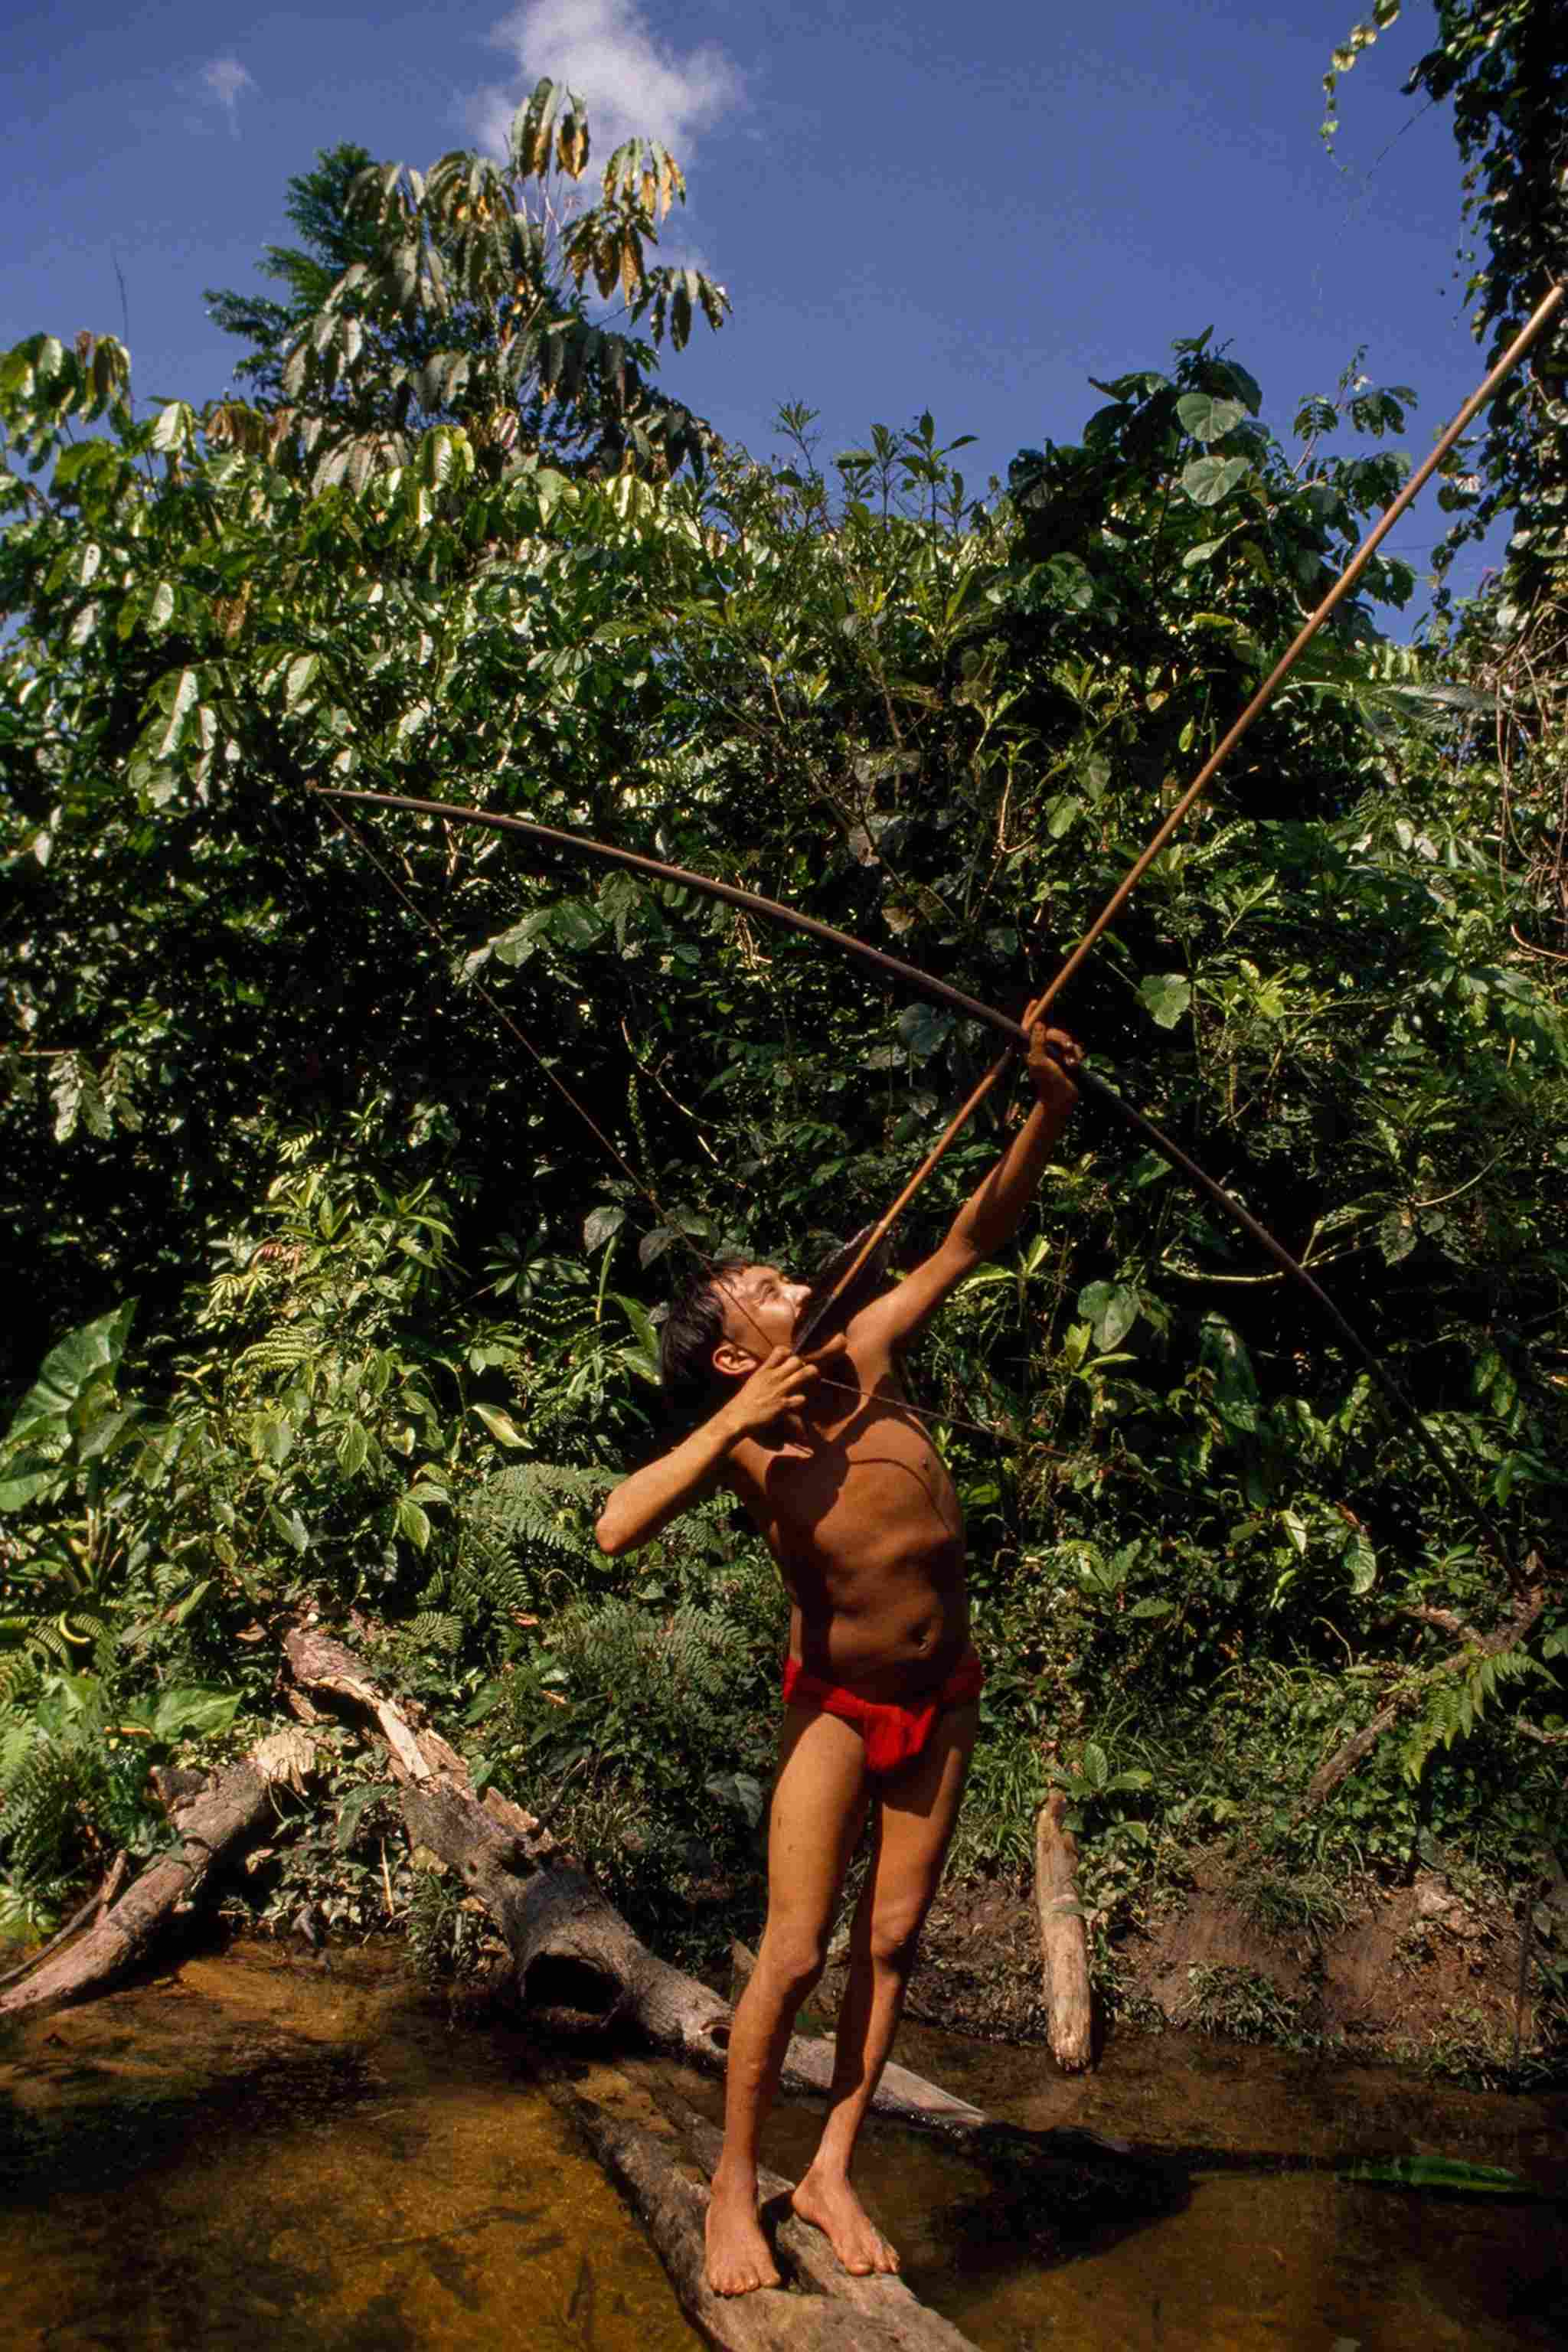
{"x":281,"y":1352}
{"x":434,"y":1630}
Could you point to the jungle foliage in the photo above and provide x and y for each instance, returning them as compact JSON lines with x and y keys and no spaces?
{"x":394,"y":1309}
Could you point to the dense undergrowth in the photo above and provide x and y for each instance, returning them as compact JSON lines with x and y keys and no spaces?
{"x":324,"y":1300}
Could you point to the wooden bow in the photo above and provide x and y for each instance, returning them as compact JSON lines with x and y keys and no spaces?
{"x":940,"y":992}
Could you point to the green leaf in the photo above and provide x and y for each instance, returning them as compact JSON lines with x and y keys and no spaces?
{"x":1113,"y":1307}
{"x":301,"y":674}
{"x":181,"y":701}
{"x":1208,"y":480}
{"x":414,"y":1523}
{"x":1452,"y":2173}
{"x":193,"y":1711}
{"x":353,"y":1808}
{"x":1152,"y":1607}
{"x":1206,"y":418}
{"x":575,"y":925}
{"x":353,"y":1450}
{"x":93,"y":1349}
{"x":922,"y":1028}
{"x":740,"y":1792}
{"x":15,"y":1494}
{"x":501,"y":1427}
{"x":172,"y":426}
{"x":601,"y":1224}
{"x":1397,"y":1235}
{"x":271,"y":1437}
{"x":1096,"y":1769}
{"x":1167,"y":995}
{"x":1363,"y":1560}
{"x":292,"y":1528}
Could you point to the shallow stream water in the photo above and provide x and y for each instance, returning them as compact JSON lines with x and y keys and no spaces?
{"x":260,"y":2151}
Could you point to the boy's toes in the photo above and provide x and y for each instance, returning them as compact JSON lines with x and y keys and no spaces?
{"x":831,"y":2205}
{"x":739,"y":2260}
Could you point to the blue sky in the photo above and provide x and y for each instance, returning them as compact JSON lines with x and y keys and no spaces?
{"x":970,"y":209}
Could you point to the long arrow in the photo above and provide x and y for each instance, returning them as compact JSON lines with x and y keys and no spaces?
{"x":1501,"y":367}
{"x":938,"y":991}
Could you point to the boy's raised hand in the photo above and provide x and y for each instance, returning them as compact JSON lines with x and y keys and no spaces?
{"x":1053,"y":1056}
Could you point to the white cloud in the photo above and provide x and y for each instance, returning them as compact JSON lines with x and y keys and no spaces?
{"x":222,"y":81}
{"x":605,"y":51}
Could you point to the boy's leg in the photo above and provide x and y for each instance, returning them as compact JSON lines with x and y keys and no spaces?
{"x":819,"y":1805}
{"x":916,"y":1808}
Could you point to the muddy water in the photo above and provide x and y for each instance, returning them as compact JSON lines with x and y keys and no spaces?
{"x":260,"y":2153}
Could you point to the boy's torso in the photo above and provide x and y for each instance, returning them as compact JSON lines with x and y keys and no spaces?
{"x":868,"y":1534}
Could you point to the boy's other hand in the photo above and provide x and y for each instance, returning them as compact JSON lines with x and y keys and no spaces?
{"x":1053,"y":1056}
{"x":781,"y":1384}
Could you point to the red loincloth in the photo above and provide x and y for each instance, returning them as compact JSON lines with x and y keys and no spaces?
{"x":894,"y":1733}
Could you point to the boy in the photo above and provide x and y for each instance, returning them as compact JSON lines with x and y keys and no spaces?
{"x":882,"y":1683}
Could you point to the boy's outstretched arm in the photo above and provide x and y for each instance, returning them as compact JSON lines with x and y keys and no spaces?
{"x":995,"y":1210}
{"x":645,"y":1503}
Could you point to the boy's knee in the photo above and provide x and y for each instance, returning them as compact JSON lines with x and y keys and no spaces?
{"x":793,"y":1956}
{"x":895,"y":1935}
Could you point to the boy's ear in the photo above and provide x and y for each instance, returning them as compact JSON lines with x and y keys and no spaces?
{"x":730,"y":1358}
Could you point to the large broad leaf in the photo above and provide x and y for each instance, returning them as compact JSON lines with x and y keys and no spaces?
{"x":1167,"y":995}
{"x":15,"y":1494}
{"x":89,"y":1353}
{"x":575,"y":925}
{"x":413,"y":1522}
{"x":1206,"y":418}
{"x":1208,"y":480}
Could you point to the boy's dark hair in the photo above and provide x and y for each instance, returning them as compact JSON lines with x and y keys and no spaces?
{"x":692,"y":1329}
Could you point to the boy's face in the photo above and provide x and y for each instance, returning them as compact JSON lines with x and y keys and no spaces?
{"x":761,"y":1309}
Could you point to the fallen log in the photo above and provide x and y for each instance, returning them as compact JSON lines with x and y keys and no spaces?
{"x":805,"y":2252}
{"x":844,"y":2313}
{"x":97,"y":1902}
{"x":207,"y":1825}
{"x":1063,"y":1941}
{"x":574,"y":1958}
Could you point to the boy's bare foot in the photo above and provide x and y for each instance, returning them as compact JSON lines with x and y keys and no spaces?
{"x":830,"y":2204}
{"x":737,"y":2257}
